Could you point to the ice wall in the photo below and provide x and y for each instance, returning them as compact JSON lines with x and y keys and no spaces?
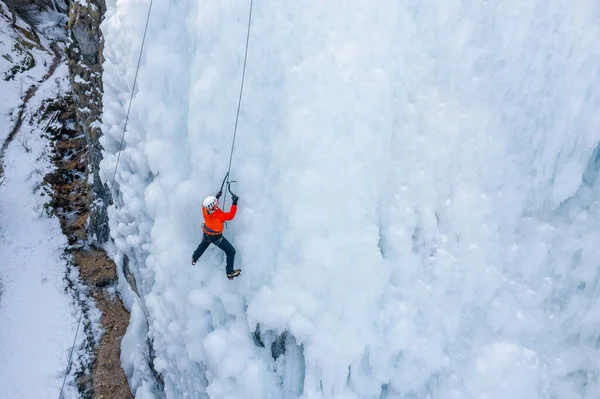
{"x":418,"y":213}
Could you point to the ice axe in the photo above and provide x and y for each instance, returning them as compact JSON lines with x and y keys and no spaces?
{"x":228,"y":186}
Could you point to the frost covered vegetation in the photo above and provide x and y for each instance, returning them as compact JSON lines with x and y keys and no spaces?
{"x":419,"y":197}
{"x":36,"y":314}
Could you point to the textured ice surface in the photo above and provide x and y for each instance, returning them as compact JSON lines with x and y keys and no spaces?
{"x":418,"y":195}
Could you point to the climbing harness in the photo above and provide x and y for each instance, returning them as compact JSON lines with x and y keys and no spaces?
{"x":111,"y":187}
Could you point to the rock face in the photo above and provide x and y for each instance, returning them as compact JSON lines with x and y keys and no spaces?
{"x":85,"y":68}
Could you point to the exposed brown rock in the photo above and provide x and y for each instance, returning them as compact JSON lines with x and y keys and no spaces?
{"x":98,"y":270}
{"x":69,"y":201}
{"x":85,"y":68}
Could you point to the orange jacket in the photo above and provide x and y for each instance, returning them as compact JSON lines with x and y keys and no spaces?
{"x":213,"y":222}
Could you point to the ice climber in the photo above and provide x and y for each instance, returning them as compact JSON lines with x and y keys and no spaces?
{"x":212,"y":229}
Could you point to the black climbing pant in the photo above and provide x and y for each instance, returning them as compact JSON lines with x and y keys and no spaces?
{"x":220,"y":242}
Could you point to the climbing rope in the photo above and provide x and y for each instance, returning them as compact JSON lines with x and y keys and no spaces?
{"x":111,"y":186}
{"x":71,"y":355}
{"x":237,"y":115}
{"x":131,"y":97}
{"x":123,"y":139}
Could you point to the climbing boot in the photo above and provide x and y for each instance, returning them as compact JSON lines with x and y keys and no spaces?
{"x":233,"y":274}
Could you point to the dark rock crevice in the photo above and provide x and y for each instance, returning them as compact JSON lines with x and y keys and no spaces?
{"x":85,"y":69}
{"x":287,"y":355}
{"x":98,"y":368}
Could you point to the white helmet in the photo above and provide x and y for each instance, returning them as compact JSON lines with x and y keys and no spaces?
{"x":210,"y":203}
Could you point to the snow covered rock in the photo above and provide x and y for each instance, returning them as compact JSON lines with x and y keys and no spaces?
{"x":85,"y":68}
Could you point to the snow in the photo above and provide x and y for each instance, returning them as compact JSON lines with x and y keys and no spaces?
{"x":418,"y":197}
{"x":37,"y":316}
{"x":40,"y":315}
{"x":13,"y":50}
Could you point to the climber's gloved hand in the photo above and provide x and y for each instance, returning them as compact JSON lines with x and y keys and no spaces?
{"x":219,"y":194}
{"x":235,"y":199}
